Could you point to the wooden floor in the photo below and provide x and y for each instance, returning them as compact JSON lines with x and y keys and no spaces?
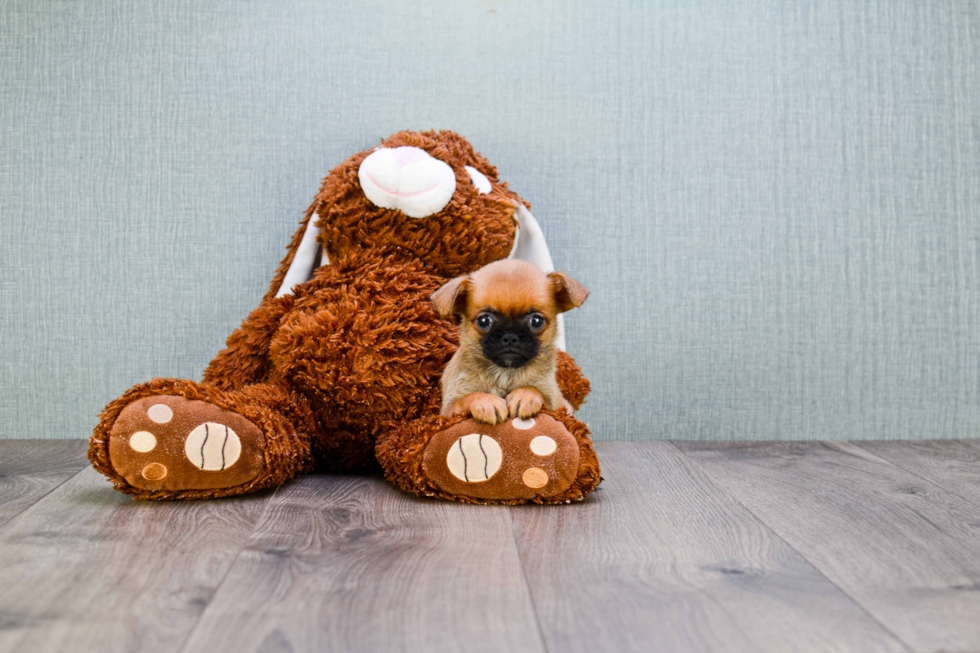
{"x":871,"y":546}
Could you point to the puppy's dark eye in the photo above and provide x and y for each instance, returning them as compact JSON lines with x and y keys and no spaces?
{"x":536,"y":322}
{"x":484,"y":322}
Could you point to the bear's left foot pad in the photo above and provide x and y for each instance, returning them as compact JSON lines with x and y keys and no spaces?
{"x":520,"y":459}
{"x":169,"y":442}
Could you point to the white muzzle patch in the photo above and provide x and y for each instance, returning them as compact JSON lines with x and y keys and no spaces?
{"x":407,"y":179}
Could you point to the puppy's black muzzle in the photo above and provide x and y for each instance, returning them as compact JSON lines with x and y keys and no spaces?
{"x":510,"y":345}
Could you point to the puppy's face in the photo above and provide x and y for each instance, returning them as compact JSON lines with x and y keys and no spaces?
{"x":510,"y":340}
{"x":508,"y":309}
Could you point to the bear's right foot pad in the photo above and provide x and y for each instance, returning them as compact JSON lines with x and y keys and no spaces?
{"x":167,"y":442}
{"x":519,"y":459}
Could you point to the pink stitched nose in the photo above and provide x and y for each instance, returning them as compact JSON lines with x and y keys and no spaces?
{"x":406,"y":155}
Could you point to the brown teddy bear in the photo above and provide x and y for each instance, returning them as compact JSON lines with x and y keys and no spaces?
{"x":338,"y":368}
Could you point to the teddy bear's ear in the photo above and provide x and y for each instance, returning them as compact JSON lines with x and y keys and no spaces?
{"x":532,"y":247}
{"x":303,"y":256}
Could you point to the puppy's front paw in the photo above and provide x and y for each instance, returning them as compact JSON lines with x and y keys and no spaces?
{"x":524,"y":402}
{"x":486,"y":408}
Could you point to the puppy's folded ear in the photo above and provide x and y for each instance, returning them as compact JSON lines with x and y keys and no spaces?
{"x":569,"y":293}
{"x":451,"y":298}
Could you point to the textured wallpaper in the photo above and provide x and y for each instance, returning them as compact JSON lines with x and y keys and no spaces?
{"x":776,"y":205}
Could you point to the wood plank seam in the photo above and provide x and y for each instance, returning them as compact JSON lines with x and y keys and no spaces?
{"x":664,"y":560}
{"x":347,"y":562}
{"x":912,"y":471}
{"x":778,"y":534}
{"x":527,"y":585}
{"x":255,"y":525}
{"x":90,"y":569}
{"x":39,"y":499}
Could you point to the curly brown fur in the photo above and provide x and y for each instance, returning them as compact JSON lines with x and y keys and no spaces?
{"x":363,"y":343}
{"x":589,"y":473}
{"x":357,"y":350}
{"x":246,"y":359}
{"x":284,"y":420}
{"x":470,"y":232}
{"x":574,"y":386}
{"x":400,"y":454}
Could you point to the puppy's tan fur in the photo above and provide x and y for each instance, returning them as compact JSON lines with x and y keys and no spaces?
{"x":474,"y":385}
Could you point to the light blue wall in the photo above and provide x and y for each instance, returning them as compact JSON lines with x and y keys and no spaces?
{"x":777,"y":205}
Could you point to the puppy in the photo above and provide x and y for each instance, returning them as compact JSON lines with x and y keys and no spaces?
{"x":505,"y":364}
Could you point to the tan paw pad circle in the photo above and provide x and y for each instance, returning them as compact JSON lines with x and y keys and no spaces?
{"x":142,"y":441}
{"x":160,"y":413}
{"x":543,"y":446}
{"x":523,"y":424}
{"x":213,"y":447}
{"x":535,"y":477}
{"x":474,"y":458}
{"x":154,"y":472}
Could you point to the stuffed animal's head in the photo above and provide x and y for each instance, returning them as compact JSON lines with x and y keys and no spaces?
{"x":427,"y":193}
